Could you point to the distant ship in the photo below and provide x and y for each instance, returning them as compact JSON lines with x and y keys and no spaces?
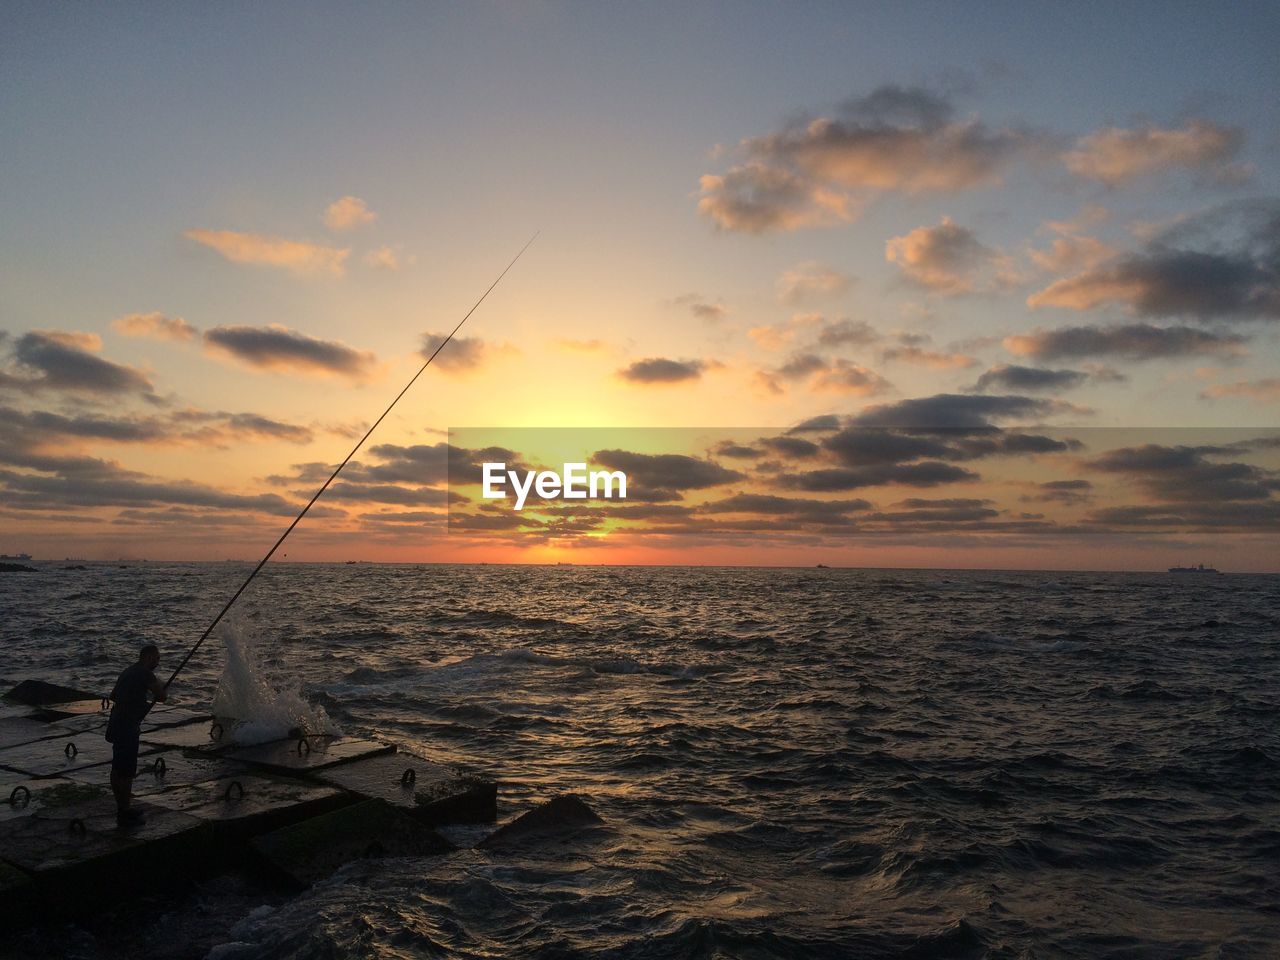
{"x":21,"y":556}
{"x":1199,"y":568}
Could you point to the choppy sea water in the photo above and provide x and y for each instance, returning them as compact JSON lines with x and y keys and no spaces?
{"x":790,"y":763}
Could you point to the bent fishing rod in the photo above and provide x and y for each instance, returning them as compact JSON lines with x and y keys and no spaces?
{"x":296,"y":520}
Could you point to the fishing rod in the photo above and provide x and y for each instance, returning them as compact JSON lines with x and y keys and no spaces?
{"x":263,"y":562}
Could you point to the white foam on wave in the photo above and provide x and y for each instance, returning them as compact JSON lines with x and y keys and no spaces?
{"x":263,"y":704}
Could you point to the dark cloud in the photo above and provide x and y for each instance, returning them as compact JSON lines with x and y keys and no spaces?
{"x":109,"y":490}
{"x":794,"y":448}
{"x":728,"y":448}
{"x":665,"y":472}
{"x":1006,"y":376}
{"x":927,"y":473}
{"x":818,"y":424}
{"x":820,"y":171}
{"x":63,"y":361}
{"x":279,"y":348}
{"x":1070,"y":492}
{"x":421,"y":463}
{"x":1183,"y":473}
{"x":461,"y":354}
{"x":354,"y":492}
{"x":847,"y":333}
{"x":1223,"y":264}
{"x":662,"y":370}
{"x":1135,"y":341}
{"x":950,"y":410}
{"x":768,"y":504}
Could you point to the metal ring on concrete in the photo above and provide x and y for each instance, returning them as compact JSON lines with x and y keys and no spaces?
{"x":304,"y":746}
{"x":106,"y":705}
{"x":76,"y":826}
{"x":408,"y":777}
{"x":159,"y":767}
{"x":215,"y":732}
{"x":70,"y":750}
{"x":236,"y":787}
{"x":17,"y":791}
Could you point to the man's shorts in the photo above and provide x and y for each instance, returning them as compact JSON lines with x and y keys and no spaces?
{"x":124,"y":757}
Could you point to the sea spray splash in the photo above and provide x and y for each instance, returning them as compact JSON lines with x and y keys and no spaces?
{"x":263,"y":705}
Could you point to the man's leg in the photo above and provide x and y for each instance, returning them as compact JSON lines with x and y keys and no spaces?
{"x":122,"y":787}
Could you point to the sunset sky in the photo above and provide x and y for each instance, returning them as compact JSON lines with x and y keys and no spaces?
{"x":1053,"y":229}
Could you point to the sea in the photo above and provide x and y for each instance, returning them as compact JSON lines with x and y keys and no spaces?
{"x":789,"y":763}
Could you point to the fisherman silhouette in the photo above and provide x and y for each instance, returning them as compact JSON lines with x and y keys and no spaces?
{"x":124,"y":728}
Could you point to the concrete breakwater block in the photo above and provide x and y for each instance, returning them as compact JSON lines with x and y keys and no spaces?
{"x":167,"y":769}
{"x":315,"y":848}
{"x":22,"y":798}
{"x":91,"y":706}
{"x":242,"y":806}
{"x":306,"y":754}
{"x":430,"y":792}
{"x":204,"y":737}
{"x":36,"y":693}
{"x":560,"y":815}
{"x":166,"y":715}
{"x":59,"y":755}
{"x":17,"y":896}
{"x":79,"y":858}
{"x":15,"y":731}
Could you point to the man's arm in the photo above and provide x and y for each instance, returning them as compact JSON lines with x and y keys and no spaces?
{"x":157,"y":690}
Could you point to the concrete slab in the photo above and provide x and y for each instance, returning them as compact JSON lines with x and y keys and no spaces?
{"x":15,"y":731}
{"x":165,"y":715}
{"x":17,"y":896}
{"x":190,"y":736}
{"x":306,"y":755}
{"x":431,"y":792}
{"x":315,"y":848}
{"x":23,"y":797}
{"x":243,"y":806}
{"x":59,"y":755}
{"x":166,"y":769}
{"x":81,"y":723}
{"x":76,"y":708}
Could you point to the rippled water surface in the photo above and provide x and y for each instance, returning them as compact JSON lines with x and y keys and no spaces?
{"x":790,"y":763}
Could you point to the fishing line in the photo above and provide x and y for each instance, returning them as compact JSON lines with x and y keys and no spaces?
{"x":261,"y":563}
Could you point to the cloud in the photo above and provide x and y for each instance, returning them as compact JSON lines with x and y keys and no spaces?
{"x":1068,"y":254}
{"x":934,"y":359}
{"x":382,"y":258}
{"x":810,"y":279}
{"x":947,"y":259}
{"x":927,"y":473}
{"x":1224,"y":263}
{"x":701,"y":307}
{"x":1115,"y":155}
{"x":847,"y":333}
{"x":770,"y":505}
{"x":662,"y":370}
{"x":836,"y":375}
{"x":295,"y":255}
{"x":1135,"y":341}
{"x":55,"y":360}
{"x":1187,"y":474}
{"x":155,"y":326}
{"x":114,"y":489}
{"x":347,"y":213}
{"x":822,"y":170}
{"x":279,"y":348}
{"x":755,"y":198}
{"x":952,"y":411}
{"x":1265,"y":390}
{"x":461,"y":355}
{"x":1069,"y":492}
{"x":1005,"y":376}
{"x":666,"y":471}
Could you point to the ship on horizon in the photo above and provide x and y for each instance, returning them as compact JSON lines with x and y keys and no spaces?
{"x":20,"y":556}
{"x":1199,"y":568}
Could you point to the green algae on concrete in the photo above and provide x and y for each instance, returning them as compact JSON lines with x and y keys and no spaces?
{"x":313,"y":849}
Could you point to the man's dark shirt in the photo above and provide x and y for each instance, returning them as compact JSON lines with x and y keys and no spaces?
{"x":129,"y":703}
